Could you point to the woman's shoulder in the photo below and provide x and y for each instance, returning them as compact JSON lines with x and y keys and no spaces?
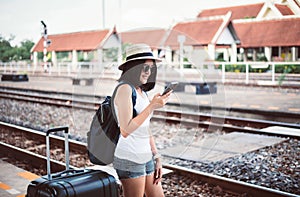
{"x":123,"y":90}
{"x":124,"y":87}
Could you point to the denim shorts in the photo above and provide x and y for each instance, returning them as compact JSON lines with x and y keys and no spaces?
{"x":128,"y":169}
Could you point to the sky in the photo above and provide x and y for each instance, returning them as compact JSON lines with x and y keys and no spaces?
{"x":22,"y":18}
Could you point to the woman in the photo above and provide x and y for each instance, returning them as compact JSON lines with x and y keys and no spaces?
{"x":136,"y":159}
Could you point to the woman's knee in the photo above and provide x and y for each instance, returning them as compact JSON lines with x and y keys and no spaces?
{"x":151,"y":189}
{"x":133,"y":187}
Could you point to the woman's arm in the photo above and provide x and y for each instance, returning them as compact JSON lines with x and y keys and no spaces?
{"x":158,"y":164}
{"x":152,"y":144}
{"x":123,"y":101}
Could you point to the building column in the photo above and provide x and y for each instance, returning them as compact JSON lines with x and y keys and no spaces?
{"x":167,"y":54}
{"x":294,"y":54}
{"x":54,"y":59}
{"x":254,"y":55}
{"x":100,"y":60}
{"x":279,"y":52}
{"x":234,"y":53}
{"x":245,"y":54}
{"x":211,"y":51}
{"x":268,"y":53}
{"x":74,"y":59}
{"x":35,"y":59}
{"x":226,"y":55}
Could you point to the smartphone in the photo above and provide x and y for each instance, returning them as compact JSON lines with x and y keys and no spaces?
{"x":171,"y":86}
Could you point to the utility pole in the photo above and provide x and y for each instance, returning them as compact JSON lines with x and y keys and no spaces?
{"x":181,"y":40}
{"x":103,"y":10}
{"x":45,"y":35}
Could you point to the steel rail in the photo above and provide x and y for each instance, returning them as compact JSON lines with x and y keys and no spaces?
{"x":215,"y":109}
{"x":40,"y":136}
{"x":227,"y":128}
{"x":67,"y":103}
{"x":195,"y":116}
{"x":82,"y":147}
{"x":208,"y":121}
{"x":182,"y":105}
{"x":43,"y":99}
{"x":71,"y":102}
{"x":229,"y":184}
{"x":34,"y":159}
{"x":254,"y":123}
{"x":48,"y":92}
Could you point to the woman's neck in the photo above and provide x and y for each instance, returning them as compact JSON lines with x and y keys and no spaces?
{"x":139,"y":90}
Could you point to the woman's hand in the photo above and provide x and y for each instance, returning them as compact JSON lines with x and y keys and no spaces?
{"x":159,"y":101}
{"x":157,"y":171}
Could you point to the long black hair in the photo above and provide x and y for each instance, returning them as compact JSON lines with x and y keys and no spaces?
{"x":132,"y":71}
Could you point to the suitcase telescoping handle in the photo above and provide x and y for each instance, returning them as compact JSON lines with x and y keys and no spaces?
{"x":66,"y":132}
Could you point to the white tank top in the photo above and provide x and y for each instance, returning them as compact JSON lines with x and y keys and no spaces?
{"x":136,"y":147}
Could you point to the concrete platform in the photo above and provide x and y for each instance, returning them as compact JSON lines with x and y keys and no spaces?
{"x":14,"y":180}
{"x":282,"y":130}
{"x":219,"y":147}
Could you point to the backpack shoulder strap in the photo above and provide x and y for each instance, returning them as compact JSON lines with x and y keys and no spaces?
{"x":133,"y":96}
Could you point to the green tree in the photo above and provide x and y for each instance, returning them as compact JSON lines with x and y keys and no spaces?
{"x":8,"y":52}
{"x":23,"y":52}
{"x":5,"y":50}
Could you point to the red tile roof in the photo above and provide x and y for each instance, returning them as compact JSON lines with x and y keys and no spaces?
{"x":85,"y":41}
{"x":284,"y":10}
{"x":238,"y":12}
{"x":276,"y":32}
{"x":200,"y":32}
{"x":153,"y":37}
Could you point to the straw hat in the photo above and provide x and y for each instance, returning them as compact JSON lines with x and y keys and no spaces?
{"x":138,"y":52}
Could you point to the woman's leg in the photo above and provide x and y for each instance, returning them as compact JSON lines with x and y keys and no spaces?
{"x":153,"y":190}
{"x":134,"y":187}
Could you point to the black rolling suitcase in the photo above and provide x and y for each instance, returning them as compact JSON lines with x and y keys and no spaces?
{"x":84,"y":182}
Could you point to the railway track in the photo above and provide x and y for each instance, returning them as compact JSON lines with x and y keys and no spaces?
{"x":91,"y":102}
{"x":32,"y":139}
{"x":188,"y":119}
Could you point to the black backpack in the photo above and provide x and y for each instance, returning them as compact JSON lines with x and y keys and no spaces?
{"x":104,"y":132}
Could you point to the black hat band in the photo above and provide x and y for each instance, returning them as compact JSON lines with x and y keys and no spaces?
{"x":147,"y":54}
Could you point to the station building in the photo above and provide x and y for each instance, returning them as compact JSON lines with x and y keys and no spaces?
{"x":256,"y":32}
{"x":72,"y":48}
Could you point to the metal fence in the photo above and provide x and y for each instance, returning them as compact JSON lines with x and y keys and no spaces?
{"x":263,"y":65}
{"x":94,"y":68}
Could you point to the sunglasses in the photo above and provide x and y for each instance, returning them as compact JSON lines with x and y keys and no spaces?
{"x":147,"y":67}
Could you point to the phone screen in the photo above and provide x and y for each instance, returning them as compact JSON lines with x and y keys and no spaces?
{"x":171,"y":86}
